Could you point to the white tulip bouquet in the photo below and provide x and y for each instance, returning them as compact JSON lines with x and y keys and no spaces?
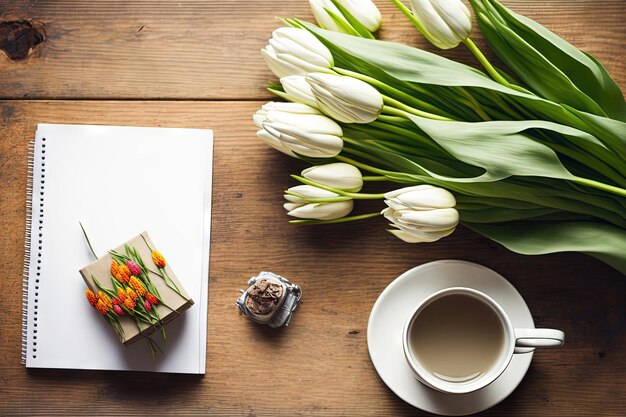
{"x":532,"y":156}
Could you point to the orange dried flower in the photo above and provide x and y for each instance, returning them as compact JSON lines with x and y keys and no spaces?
{"x":158,"y":259}
{"x":115,"y":267}
{"x":129,"y":303}
{"x":106,"y":300}
{"x":101,"y":307}
{"x":121,"y":294}
{"x":131,"y":294}
{"x":91,"y":297}
{"x":137,"y":286}
{"x":153,"y":300}
{"x":120,"y":272}
{"x":125,"y":272}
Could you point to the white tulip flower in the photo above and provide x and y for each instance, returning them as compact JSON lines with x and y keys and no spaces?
{"x":319,"y":9}
{"x":298,"y":90}
{"x":299,"y":206}
{"x":445,"y":23}
{"x":345,"y":99}
{"x":294,"y":128}
{"x":423,"y":213}
{"x":294,"y":51}
{"x":337,"y":175}
{"x":365,"y":11}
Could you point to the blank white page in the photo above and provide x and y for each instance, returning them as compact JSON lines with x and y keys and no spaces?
{"x":117,"y":181}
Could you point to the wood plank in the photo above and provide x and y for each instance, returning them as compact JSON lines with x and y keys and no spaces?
{"x":210,"y":49}
{"x":319,"y":365}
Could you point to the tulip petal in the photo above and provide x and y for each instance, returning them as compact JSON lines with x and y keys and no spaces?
{"x":310,"y":191}
{"x":365,"y":11}
{"x":274,"y":142}
{"x":325,"y":21}
{"x":279,"y":67}
{"x":395,"y":193}
{"x":323,"y":211}
{"x":294,"y":108}
{"x":411,"y":237}
{"x":337,"y":175}
{"x":298,"y":90}
{"x":291,"y":206}
{"x":346,"y":99}
{"x":425,"y":199}
{"x":437,"y":30}
{"x":456,"y":15}
{"x":437,"y":219}
{"x":301,"y":43}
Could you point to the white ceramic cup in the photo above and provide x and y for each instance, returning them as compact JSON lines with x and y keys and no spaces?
{"x":515,"y":341}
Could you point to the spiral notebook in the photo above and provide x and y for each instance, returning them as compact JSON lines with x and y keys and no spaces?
{"x":118,"y":182}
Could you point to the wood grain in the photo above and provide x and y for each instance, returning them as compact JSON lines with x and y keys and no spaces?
{"x":199,"y":49}
{"x":320,"y":365}
{"x":193,"y":51}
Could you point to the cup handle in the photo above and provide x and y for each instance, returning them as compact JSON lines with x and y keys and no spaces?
{"x":526,"y":340}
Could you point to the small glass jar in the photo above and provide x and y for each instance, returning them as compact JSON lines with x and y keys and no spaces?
{"x":270,"y":299}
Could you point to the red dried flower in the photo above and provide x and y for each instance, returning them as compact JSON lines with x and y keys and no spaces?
{"x":133,"y":268}
{"x":153,"y":300}
{"x":118,"y":310}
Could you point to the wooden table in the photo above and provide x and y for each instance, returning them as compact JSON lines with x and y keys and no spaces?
{"x":196,"y":63}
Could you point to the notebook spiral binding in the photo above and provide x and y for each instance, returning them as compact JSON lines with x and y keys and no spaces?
{"x":27,"y":243}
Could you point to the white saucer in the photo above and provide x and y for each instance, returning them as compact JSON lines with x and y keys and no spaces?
{"x":397,"y":301}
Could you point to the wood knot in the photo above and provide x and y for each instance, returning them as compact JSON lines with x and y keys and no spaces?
{"x":18,"y":38}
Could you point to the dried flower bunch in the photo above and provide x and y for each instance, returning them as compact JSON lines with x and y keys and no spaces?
{"x":132,"y":293}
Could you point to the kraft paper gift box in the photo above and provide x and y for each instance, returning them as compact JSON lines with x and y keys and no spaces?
{"x":171,"y":304}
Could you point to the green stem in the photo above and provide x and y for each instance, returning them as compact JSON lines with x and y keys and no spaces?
{"x":390,"y":119}
{"x":362,"y":166}
{"x":375,"y":178}
{"x":485,"y":62}
{"x":87,"y":239}
{"x":396,"y":112}
{"x":355,"y":196}
{"x":600,"y":186}
{"x":407,"y":133}
{"x":342,"y":220}
{"x":406,"y":98}
{"x":407,"y":12}
{"x":399,"y":105}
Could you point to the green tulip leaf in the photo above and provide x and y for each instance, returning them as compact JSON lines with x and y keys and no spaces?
{"x":551,"y":66}
{"x":341,"y":22}
{"x":498,"y":147}
{"x":603,"y":241}
{"x":402,"y":67}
